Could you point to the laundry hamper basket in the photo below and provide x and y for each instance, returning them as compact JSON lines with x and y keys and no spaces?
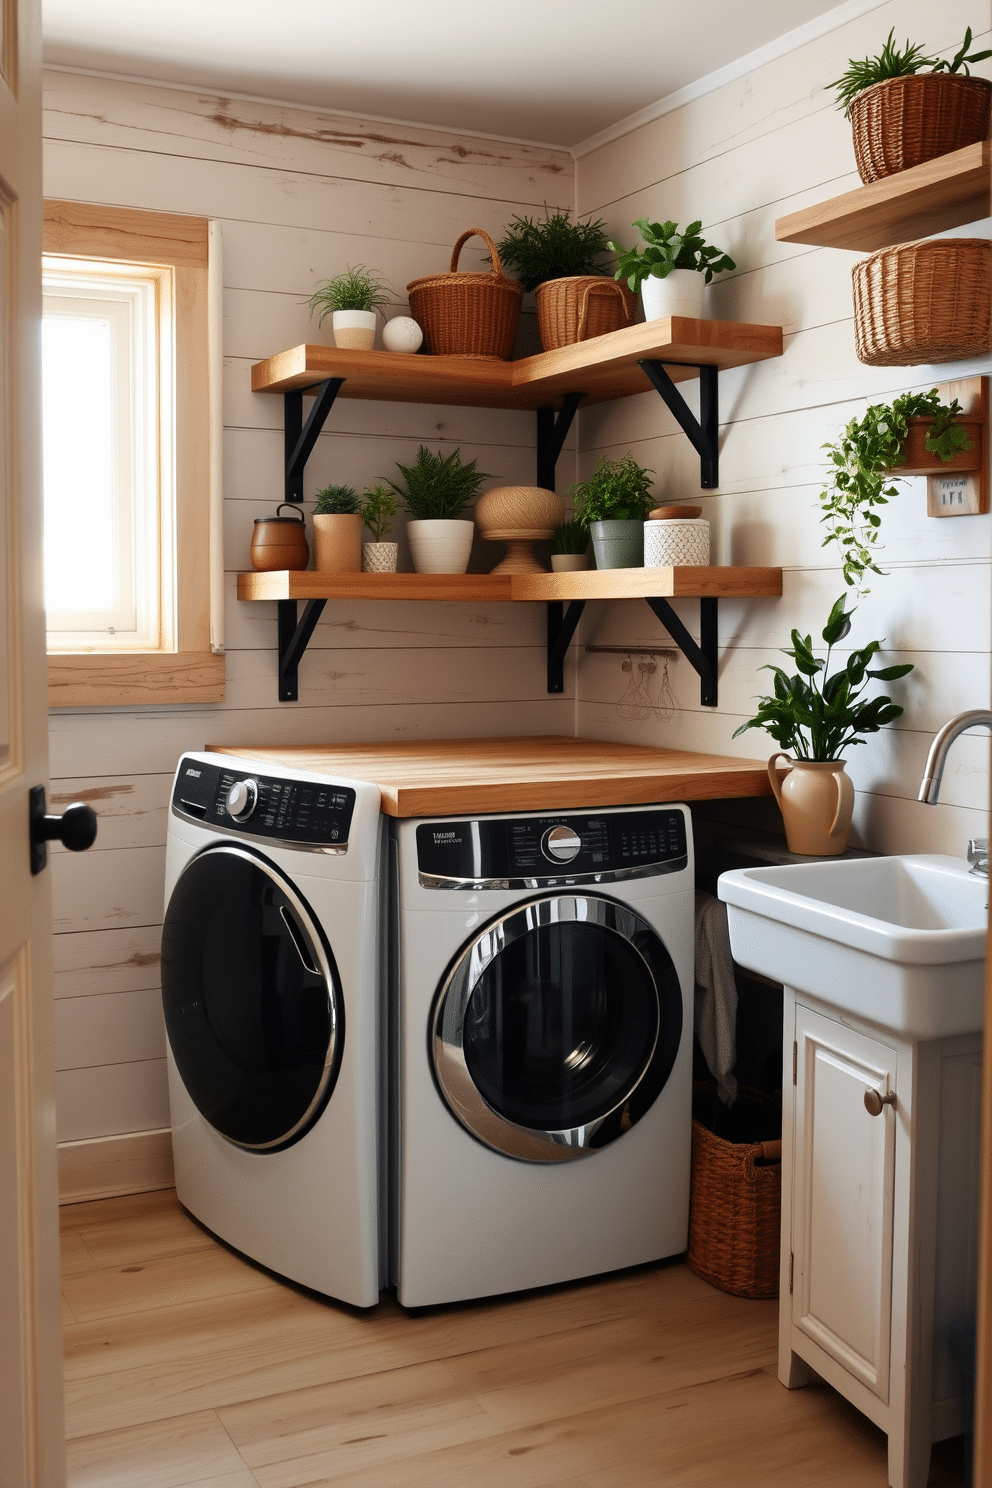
{"x":465,"y":314}
{"x":736,"y":1198}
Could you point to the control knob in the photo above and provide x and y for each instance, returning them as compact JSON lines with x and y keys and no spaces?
{"x":242,"y":799}
{"x":561,"y":844}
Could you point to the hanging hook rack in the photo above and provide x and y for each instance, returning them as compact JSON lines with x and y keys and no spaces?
{"x":669,"y":652}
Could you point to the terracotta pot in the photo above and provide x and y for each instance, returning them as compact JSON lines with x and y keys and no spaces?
{"x":519,"y":516}
{"x":816,"y":799}
{"x":337,"y":542}
{"x":919,"y":460}
{"x":280,"y":542}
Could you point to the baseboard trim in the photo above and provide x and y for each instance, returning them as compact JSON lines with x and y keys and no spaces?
{"x":104,"y":1167}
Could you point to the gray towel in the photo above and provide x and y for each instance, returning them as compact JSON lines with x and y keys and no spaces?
{"x":716,"y":994}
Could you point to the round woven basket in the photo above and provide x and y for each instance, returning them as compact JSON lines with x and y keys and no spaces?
{"x":466,"y":314}
{"x":581,"y":306}
{"x":924,"y":302}
{"x":903,"y":121}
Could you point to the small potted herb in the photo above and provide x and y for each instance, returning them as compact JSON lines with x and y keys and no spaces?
{"x":570,"y":548}
{"x":815,"y":716}
{"x":337,"y":531}
{"x":377,"y":510}
{"x":436,"y":490}
{"x":563,"y":263}
{"x":351,"y":300}
{"x":672,"y":269}
{"x":612,"y":504}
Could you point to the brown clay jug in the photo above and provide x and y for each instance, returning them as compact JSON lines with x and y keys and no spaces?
{"x":816,"y":799}
{"x":280,"y":542}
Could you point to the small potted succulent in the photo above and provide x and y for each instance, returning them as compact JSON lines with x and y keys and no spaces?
{"x":672,"y":269}
{"x":337,"y":531}
{"x":562,"y":262}
{"x":570,"y":548}
{"x":351,"y":300}
{"x":612,"y":505}
{"x":436,"y":490}
{"x":377,"y":510}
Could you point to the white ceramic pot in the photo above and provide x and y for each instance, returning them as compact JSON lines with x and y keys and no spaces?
{"x":440,"y":545}
{"x":676,"y":542}
{"x":569,"y":562}
{"x":681,"y":293}
{"x":354,"y":329}
{"x":379,"y":557}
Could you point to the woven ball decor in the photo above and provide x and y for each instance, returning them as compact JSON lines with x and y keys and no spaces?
{"x":903,"y":121}
{"x":924,"y":302}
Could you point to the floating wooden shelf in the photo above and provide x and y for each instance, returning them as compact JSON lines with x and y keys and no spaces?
{"x":929,"y":198}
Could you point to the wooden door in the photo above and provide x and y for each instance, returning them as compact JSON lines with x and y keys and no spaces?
{"x":32,"y":1453}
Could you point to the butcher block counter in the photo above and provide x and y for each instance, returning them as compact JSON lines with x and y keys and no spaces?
{"x":450,"y":777}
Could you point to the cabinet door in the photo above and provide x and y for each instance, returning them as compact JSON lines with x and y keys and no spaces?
{"x":842,"y":1195}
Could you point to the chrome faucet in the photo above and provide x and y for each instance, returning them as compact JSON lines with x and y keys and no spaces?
{"x":978,"y":847}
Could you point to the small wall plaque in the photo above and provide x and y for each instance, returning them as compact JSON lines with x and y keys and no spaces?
{"x":964,"y":493}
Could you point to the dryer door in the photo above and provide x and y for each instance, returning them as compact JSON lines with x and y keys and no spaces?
{"x":252,"y":1002}
{"x":557,"y":1027}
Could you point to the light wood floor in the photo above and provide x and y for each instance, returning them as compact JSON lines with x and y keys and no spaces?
{"x":186,"y":1365}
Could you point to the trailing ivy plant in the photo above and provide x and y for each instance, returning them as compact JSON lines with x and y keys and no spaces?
{"x":893,"y":61}
{"x":554,"y":248}
{"x":865,"y":460}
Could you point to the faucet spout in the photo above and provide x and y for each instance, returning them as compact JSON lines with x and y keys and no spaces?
{"x":932,"y":775}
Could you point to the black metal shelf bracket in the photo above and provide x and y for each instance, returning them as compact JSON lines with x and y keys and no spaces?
{"x":293,"y":641}
{"x":301,"y":437}
{"x":561,"y":629}
{"x":552,"y":431}
{"x":704,"y":433}
{"x":704,"y":657}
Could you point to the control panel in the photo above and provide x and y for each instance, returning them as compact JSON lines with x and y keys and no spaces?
{"x":264,"y":806}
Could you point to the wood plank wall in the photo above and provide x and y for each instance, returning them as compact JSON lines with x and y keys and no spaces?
{"x":757,"y":148}
{"x":300,"y":194}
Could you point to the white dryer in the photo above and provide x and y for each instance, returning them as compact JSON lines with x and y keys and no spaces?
{"x":541,"y":1048}
{"x":271,"y":970}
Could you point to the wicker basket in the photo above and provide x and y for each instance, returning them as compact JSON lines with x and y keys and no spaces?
{"x":924,"y":302}
{"x":735,"y":1212}
{"x":465,"y":314}
{"x":580,"y":306}
{"x":903,"y":121}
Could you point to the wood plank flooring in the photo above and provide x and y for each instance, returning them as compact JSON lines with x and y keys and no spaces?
{"x":188,"y":1367}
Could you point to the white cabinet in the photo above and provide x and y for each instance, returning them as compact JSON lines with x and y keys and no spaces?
{"x":879,"y":1221}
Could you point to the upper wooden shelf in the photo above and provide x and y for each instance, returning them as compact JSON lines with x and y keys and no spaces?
{"x":929,"y":198}
{"x":603,"y":368}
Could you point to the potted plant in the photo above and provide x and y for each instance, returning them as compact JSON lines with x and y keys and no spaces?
{"x":436,"y":490}
{"x":815,"y":716}
{"x":351,"y":300}
{"x":914,"y":433}
{"x":377,"y":509}
{"x":672,"y":269}
{"x":906,"y":107}
{"x":337,"y":531}
{"x":561,"y":261}
{"x":570,"y":548}
{"x":612,"y":504}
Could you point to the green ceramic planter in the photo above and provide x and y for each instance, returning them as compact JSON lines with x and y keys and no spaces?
{"x":618,"y":544}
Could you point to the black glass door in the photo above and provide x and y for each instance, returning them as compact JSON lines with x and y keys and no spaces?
{"x":251,"y":999}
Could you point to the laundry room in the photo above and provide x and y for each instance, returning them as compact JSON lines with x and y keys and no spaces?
{"x":400,"y":724}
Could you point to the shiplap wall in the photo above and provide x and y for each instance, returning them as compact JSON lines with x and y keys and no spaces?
{"x":299,"y":194}
{"x":755,"y":149}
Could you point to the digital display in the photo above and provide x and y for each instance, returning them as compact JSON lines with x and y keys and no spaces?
{"x":286,"y":810}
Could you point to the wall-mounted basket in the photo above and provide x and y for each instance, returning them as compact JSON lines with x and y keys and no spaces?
{"x":903,"y":121}
{"x":466,"y":314}
{"x":929,"y":301}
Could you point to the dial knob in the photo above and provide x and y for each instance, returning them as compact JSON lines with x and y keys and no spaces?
{"x":242,"y":799}
{"x":561,"y":844}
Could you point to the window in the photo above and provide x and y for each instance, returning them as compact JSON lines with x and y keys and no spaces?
{"x":127,"y":447}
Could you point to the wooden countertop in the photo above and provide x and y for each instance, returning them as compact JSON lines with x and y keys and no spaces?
{"x":448,"y":777}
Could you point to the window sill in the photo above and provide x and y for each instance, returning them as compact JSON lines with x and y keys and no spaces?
{"x":142,"y":677}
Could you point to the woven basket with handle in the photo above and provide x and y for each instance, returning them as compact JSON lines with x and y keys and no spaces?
{"x":735,"y":1210}
{"x":466,"y":314}
{"x":903,"y":121}
{"x":924,"y":302}
{"x":580,"y":306}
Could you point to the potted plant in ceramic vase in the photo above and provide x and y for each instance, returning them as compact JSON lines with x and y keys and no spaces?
{"x":436,"y":490}
{"x":815,"y":716}
{"x":561,"y":261}
{"x":377,"y":510}
{"x":570,"y":548}
{"x":612,"y":505}
{"x":337,"y":531}
{"x":351,"y":300}
{"x":672,"y":269}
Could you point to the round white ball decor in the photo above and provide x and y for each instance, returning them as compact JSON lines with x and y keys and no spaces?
{"x":402,"y":334}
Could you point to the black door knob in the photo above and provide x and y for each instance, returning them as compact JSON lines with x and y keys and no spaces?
{"x":75,"y":828}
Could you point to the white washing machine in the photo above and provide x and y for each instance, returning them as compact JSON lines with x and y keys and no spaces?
{"x":541,"y":1048}
{"x":272,"y":963}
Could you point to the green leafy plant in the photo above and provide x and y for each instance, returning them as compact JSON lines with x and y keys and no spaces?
{"x":336,"y":501}
{"x":355,"y":289}
{"x":666,"y":249}
{"x":815,"y":715}
{"x":895,"y":62}
{"x":865,"y":460}
{"x":570,"y":537}
{"x":438,"y":486}
{"x":553,"y":248}
{"x":617,"y":490}
{"x":378,"y":507}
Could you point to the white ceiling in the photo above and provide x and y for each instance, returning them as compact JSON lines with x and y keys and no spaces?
{"x":555,"y":71}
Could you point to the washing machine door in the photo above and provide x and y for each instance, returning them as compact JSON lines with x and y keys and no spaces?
{"x":251,"y":996}
{"x":557,"y":1027}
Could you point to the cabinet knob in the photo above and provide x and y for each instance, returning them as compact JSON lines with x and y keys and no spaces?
{"x":874,"y":1102}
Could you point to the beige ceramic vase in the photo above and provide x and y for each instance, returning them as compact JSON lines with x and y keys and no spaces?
{"x":816,"y":799}
{"x":520,"y":516}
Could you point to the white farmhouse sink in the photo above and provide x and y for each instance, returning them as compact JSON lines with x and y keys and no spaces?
{"x":899,"y":941}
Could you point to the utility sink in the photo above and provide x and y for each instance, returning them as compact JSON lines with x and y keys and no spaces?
{"x":898,"y":941}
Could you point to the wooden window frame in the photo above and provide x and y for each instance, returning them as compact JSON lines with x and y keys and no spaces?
{"x":192,"y":672}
